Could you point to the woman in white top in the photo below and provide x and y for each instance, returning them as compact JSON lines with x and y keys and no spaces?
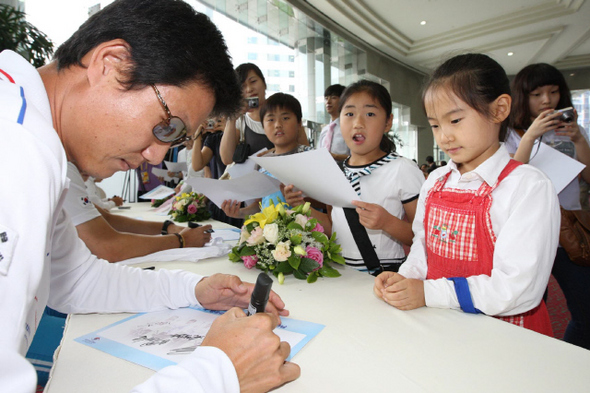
{"x":248,"y":124}
{"x":539,"y":90}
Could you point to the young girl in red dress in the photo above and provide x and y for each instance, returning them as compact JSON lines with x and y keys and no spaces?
{"x":486,"y":227}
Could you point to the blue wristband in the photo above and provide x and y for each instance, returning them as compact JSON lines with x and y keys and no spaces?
{"x":464,"y":295}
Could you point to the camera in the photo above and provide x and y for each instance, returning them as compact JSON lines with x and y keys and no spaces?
{"x":252,"y":102}
{"x":567,"y":115}
{"x":210,"y":124}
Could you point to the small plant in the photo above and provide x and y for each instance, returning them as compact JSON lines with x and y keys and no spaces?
{"x":22,"y":37}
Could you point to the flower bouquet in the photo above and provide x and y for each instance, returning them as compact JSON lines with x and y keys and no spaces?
{"x":159,"y":202}
{"x":287,"y":242}
{"x":189,"y":207}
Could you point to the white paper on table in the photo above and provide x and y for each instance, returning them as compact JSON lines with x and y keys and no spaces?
{"x":315,"y":173}
{"x":559,"y":168}
{"x":176,"y":166}
{"x":159,"y":192}
{"x":191,"y":254}
{"x":163,"y":173}
{"x":163,"y":338}
{"x":239,"y":170}
{"x":251,"y":186}
{"x":226,"y":234}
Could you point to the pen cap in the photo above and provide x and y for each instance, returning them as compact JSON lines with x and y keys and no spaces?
{"x":261,"y":292}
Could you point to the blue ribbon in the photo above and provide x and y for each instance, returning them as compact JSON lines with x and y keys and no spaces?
{"x":464,"y":295}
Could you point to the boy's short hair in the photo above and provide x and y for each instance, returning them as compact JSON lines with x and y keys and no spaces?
{"x":281,"y":100}
{"x":169,"y":43}
{"x":334,"y":90}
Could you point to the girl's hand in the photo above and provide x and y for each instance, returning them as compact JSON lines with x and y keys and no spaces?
{"x":231,"y":208}
{"x":371,"y":215}
{"x":403,"y":293}
{"x":383,"y":280}
{"x":571,"y":130}
{"x":545,"y":122}
{"x":292,"y":197}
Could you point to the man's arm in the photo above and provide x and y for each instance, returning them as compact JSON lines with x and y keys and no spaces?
{"x":107,"y":243}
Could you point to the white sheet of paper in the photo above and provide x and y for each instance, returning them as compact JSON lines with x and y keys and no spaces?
{"x":176,"y":166}
{"x":315,"y":173}
{"x":163,"y":338}
{"x":159,"y":192}
{"x":239,"y":170}
{"x":558,"y":167}
{"x":251,"y":186}
{"x":163,"y":173}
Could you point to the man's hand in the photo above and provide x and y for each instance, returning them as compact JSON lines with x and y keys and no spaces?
{"x":196,"y":237}
{"x":117,"y":199}
{"x":223,"y":291}
{"x":257,"y":354}
{"x":231,"y":208}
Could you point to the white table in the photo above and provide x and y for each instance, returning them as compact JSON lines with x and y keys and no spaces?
{"x":366,"y":346}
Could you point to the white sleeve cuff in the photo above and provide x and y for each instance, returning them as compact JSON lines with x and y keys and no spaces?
{"x":440,"y":294}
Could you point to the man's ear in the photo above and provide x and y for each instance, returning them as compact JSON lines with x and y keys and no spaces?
{"x":501,"y":108}
{"x":109,"y":61}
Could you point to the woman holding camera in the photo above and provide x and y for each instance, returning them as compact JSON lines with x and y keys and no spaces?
{"x":541,"y":110}
{"x":247,"y":127}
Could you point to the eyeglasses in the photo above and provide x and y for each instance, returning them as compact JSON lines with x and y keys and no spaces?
{"x":172,"y":130}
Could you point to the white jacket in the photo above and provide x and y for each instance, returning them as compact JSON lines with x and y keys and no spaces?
{"x":40,"y":249}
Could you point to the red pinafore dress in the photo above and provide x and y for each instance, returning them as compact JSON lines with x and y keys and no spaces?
{"x":460,"y":241}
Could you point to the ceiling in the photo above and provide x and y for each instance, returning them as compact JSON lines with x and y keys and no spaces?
{"x":549,"y":31}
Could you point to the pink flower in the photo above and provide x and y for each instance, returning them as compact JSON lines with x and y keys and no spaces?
{"x":318,"y":228}
{"x":191,"y":209}
{"x":316,"y":255}
{"x":250,"y":261}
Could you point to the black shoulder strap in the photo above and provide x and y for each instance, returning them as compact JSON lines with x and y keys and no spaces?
{"x":361,"y":238}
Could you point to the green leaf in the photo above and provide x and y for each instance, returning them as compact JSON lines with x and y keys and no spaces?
{"x":328,"y":271}
{"x":294,"y":261}
{"x":308,"y":265}
{"x":247,"y":251}
{"x":294,"y":225}
{"x":312,"y":278}
{"x":283,"y":267}
{"x":233,"y":257}
{"x":338,"y":259}
{"x":320,"y":237}
{"x":299,"y":275}
{"x":296,"y":239}
{"x":335,"y":248}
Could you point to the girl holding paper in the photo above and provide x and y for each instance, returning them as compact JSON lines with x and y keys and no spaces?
{"x":388,"y":184}
{"x":539,"y":92}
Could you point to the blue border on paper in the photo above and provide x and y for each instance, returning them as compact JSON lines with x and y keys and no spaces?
{"x":153,"y":362}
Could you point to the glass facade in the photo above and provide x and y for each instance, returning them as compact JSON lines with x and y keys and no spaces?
{"x":299,"y":56}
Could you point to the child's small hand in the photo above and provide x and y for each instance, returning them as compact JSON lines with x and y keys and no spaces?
{"x":403,"y":293}
{"x":371,"y":215}
{"x":384,"y":280}
{"x":231,"y":208}
{"x":292,"y":197}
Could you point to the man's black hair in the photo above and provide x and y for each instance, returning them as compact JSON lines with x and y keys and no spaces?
{"x":334,"y":90}
{"x":169,"y":43}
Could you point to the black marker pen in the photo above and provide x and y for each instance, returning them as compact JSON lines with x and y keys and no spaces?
{"x":260,"y":294}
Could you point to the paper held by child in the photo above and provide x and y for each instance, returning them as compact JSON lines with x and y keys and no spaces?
{"x":159,"y":339}
{"x":251,"y":186}
{"x":558,"y":167}
{"x":315,"y":173}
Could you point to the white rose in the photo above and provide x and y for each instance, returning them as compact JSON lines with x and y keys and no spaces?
{"x":301,"y":220}
{"x":271,"y":233}
{"x":282,"y":252}
{"x":255,"y":237}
